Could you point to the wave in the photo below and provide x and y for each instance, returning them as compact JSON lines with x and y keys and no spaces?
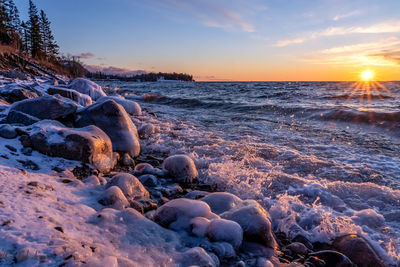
{"x":358,"y":96}
{"x":369,"y":117}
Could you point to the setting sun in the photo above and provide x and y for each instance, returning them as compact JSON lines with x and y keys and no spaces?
{"x":367,"y":75}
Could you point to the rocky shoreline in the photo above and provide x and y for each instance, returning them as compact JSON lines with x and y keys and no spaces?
{"x":156,"y":198}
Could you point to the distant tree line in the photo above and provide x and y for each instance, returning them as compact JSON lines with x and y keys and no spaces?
{"x":147,"y":77}
{"x":32,"y":37}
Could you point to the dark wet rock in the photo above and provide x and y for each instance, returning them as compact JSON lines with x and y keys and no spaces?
{"x":297,"y":248}
{"x":81,"y":99}
{"x":131,"y":107}
{"x":17,"y":117}
{"x":148,"y":204}
{"x":130,"y":186}
{"x":114,"y":197}
{"x":255,"y":222}
{"x":181,"y":167}
{"x":126,"y":160}
{"x":220,"y":202}
{"x":29,"y":164}
{"x":358,"y":250}
{"x":303,"y":240}
{"x":15,"y":93}
{"x":7,"y":131}
{"x":197,"y":194}
{"x":45,"y":107}
{"x":172,"y":191}
{"x":115,"y":122}
{"x":89,"y":144}
{"x":11,"y":148}
{"x":87,"y":87}
{"x":149,"y":180}
{"x":329,"y":258}
{"x":27,"y":151}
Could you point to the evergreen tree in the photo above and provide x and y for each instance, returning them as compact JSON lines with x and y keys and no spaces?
{"x":5,"y":30}
{"x":25,"y":37}
{"x":35,"y":36}
{"x":50,"y":47}
{"x":13,"y":13}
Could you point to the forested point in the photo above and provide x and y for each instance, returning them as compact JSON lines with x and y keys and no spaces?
{"x":147,"y":77}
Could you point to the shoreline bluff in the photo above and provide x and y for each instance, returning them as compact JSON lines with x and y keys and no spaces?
{"x":79,"y":187}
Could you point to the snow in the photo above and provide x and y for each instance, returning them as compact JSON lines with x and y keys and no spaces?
{"x":130,"y":106}
{"x":87,"y":87}
{"x":181,"y":167}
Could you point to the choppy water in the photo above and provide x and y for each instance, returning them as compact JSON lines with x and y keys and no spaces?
{"x":323,"y":158}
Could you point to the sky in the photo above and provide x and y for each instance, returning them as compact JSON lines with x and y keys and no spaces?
{"x":236,"y":40}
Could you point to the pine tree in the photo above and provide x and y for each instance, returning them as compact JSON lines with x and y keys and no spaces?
{"x":5,"y":30}
{"x":13,"y":13}
{"x":50,"y":47}
{"x":25,"y":37}
{"x":35,"y":36}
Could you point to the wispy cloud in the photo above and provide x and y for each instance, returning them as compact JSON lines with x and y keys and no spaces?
{"x":392,"y":55}
{"x":346,"y":15}
{"x":85,"y":55}
{"x":210,"y":13}
{"x":384,"y":27}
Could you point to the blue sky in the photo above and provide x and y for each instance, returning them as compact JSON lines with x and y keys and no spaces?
{"x":232,"y":40}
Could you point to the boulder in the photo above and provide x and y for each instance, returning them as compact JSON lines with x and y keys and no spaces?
{"x":220,"y":202}
{"x":358,"y":250}
{"x":130,"y":186}
{"x":15,"y":93}
{"x":81,"y":99}
{"x":255,"y":222}
{"x":88,"y":144}
{"x":87,"y":87}
{"x":197,"y":256}
{"x":131,"y":107}
{"x":181,"y":167}
{"x":149,"y":180}
{"x":45,"y":107}
{"x":146,"y":130}
{"x":114,"y":197}
{"x":178,"y":213}
{"x":17,"y":117}
{"x":328,"y":258}
{"x":220,"y":230}
{"x":115,"y":122}
{"x":8,"y":131}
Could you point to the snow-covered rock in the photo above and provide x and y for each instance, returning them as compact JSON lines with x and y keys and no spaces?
{"x":146,"y":130}
{"x":87,"y":87}
{"x":45,"y":107}
{"x":199,"y":226}
{"x":181,"y":167}
{"x":81,"y":99}
{"x":14,"y":93}
{"x":130,"y":106}
{"x":178,"y":213}
{"x":130,"y":186}
{"x":115,"y":122}
{"x":220,"y":202}
{"x":221,"y":230}
{"x":7,"y":131}
{"x":17,"y":117}
{"x":255,"y":222}
{"x":198,"y":257}
{"x":114,"y":198}
{"x":88,"y":144}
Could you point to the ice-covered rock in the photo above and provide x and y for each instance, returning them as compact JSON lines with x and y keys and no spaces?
{"x":198,"y":226}
{"x":358,"y":250}
{"x":45,"y":107}
{"x":221,"y":230}
{"x":297,"y":248}
{"x":146,"y":130}
{"x":130,"y":186}
{"x":81,"y":99}
{"x":14,"y":93}
{"x":114,"y":198}
{"x":197,"y":194}
{"x":181,"y":167}
{"x":131,"y":107}
{"x":7,"y":131}
{"x":178,"y":213}
{"x":198,"y":257}
{"x":88,"y":144}
{"x":329,"y":258}
{"x":17,"y":117}
{"x":220,"y":202}
{"x":255,"y":222}
{"x":87,"y":87}
{"x":223,"y":250}
{"x":115,"y":122}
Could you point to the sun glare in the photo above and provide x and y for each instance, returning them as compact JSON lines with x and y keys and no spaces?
{"x":367,"y":75}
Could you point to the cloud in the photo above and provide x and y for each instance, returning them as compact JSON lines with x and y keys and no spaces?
{"x":391,"y":55}
{"x":85,"y":55}
{"x":210,"y":13}
{"x":114,"y":70}
{"x":289,"y":42}
{"x":346,"y":15}
{"x":378,"y":28}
